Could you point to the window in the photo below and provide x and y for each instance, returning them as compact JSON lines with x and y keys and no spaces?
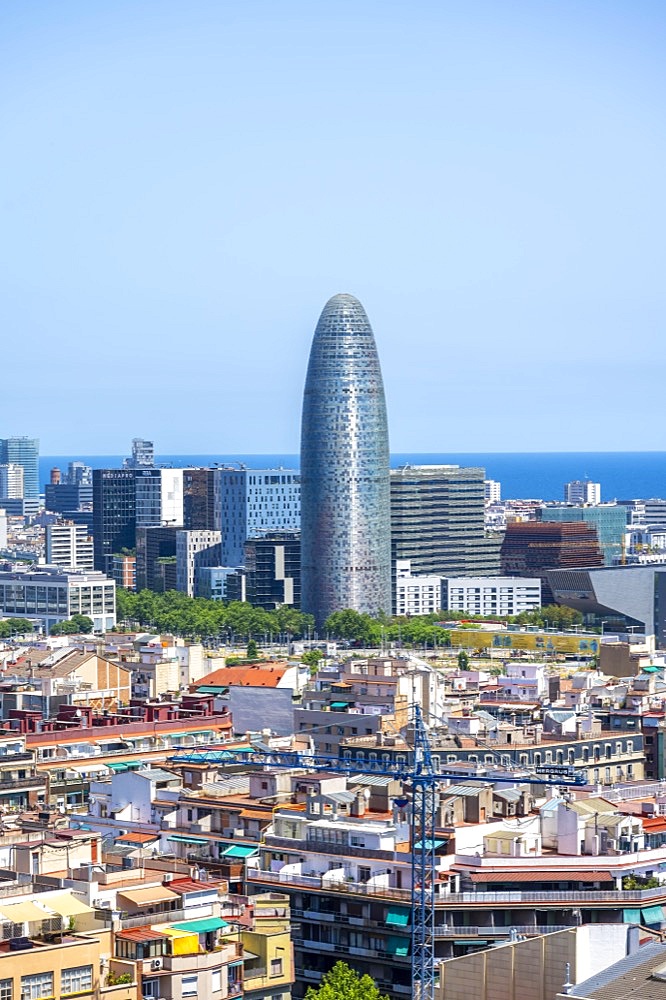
{"x":6,"y":989}
{"x":216,"y":980}
{"x":39,"y":985}
{"x":77,"y":980}
{"x":276,"y":967}
{"x":190,"y":986}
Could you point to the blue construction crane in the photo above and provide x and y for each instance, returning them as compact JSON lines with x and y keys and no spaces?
{"x":423,"y":777}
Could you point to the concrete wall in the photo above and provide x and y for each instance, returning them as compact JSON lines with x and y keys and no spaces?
{"x":535,"y":969}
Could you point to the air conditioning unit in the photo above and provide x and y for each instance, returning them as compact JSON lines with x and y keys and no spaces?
{"x":156,"y":963}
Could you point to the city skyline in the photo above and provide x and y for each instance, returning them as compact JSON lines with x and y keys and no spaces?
{"x":486,"y":180}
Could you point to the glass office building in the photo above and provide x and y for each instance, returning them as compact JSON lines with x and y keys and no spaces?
{"x":345,"y":494}
{"x":23,"y":451}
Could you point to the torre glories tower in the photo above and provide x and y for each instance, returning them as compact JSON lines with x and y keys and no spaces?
{"x":345,"y":491}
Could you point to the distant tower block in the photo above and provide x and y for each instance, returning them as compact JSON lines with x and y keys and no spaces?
{"x":56,"y":476}
{"x":582,"y":491}
{"x":492,"y":491}
{"x":345,"y":492}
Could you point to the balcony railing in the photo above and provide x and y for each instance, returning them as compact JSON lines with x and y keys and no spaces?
{"x":562,"y":897}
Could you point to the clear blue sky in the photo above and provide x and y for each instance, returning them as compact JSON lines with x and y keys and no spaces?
{"x":184,"y":184}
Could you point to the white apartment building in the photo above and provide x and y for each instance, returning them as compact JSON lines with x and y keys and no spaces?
{"x":11,"y":481}
{"x":52,"y":594}
{"x":582,"y":491}
{"x":491,"y":595}
{"x":195,"y":549}
{"x":255,"y":502}
{"x":416,"y":595}
{"x":3,"y":529}
{"x":69,"y":545}
{"x":159,"y":497}
{"x":492,"y":491}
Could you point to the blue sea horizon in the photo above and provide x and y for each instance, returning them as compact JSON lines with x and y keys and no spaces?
{"x":623,"y":475}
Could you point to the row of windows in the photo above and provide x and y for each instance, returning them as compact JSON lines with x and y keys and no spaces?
{"x":41,"y":984}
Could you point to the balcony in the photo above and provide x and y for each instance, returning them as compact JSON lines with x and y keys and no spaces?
{"x":563,"y":897}
{"x":7,"y":785}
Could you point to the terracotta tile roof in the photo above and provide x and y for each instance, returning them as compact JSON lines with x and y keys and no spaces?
{"x":185,"y":885}
{"x":138,"y":838}
{"x":264,"y":674}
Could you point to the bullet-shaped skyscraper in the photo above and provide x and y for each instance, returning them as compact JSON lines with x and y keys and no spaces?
{"x":345,"y":487}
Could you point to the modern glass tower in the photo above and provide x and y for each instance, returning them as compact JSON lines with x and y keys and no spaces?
{"x":345,"y":491}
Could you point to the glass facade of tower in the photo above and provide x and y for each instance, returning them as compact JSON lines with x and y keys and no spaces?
{"x":23,"y":451}
{"x":345,"y":494}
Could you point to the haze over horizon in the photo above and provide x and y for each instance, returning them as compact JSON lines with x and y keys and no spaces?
{"x":185,"y":187}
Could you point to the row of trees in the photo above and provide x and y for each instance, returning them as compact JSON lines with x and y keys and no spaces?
{"x":198,"y":618}
{"x":15,"y":626}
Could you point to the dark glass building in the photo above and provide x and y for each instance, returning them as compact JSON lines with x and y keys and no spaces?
{"x":345,"y":494}
{"x":273,"y":568}
{"x":114,"y":514}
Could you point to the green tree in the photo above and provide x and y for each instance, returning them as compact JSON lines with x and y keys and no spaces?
{"x":83,"y":623}
{"x":311,"y":658}
{"x":343,"y":983}
{"x":463,"y":660}
{"x":252,"y":650}
{"x":15,"y":626}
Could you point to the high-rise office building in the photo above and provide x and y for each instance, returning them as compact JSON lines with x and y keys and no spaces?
{"x":159,"y":497}
{"x":23,"y":451}
{"x":530,"y":548}
{"x":202,"y":504}
{"x":254,"y":502}
{"x":492,"y":490}
{"x":78,"y":474}
{"x":156,"y":558}
{"x":438,"y":521}
{"x":114,"y":514}
{"x":11,"y":481}
{"x":582,"y":491}
{"x":609,"y":519}
{"x":273,"y":568}
{"x":345,"y":494}
{"x":194,"y":550}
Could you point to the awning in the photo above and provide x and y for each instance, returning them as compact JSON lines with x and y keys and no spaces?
{"x":397,"y":916}
{"x":652,"y":914}
{"x":181,"y":838}
{"x":209,"y":689}
{"x":339,"y":704}
{"x":631,"y":916}
{"x":430,"y":845}
{"x":151,"y":894}
{"x":201,"y":926}
{"x":471,"y":940}
{"x":239,"y":851}
{"x":397,"y":946}
{"x":67,"y":905}
{"x":21,"y":913}
{"x":118,"y":766}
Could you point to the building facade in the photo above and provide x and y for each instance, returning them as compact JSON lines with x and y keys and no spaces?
{"x":345,"y":492}
{"x":52,"y":594}
{"x":11,"y":481}
{"x":491,"y":595}
{"x":531,"y":548}
{"x":23,"y":451}
{"x":114,"y":514}
{"x":609,"y":519}
{"x":582,"y":491}
{"x":194,"y":550}
{"x":438,"y":521}
{"x":255,"y":502}
{"x":273,"y":567}
{"x":159,"y":497}
{"x":416,"y":595}
{"x":156,"y":558}
{"x":69,"y":545}
{"x":202,"y":502}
